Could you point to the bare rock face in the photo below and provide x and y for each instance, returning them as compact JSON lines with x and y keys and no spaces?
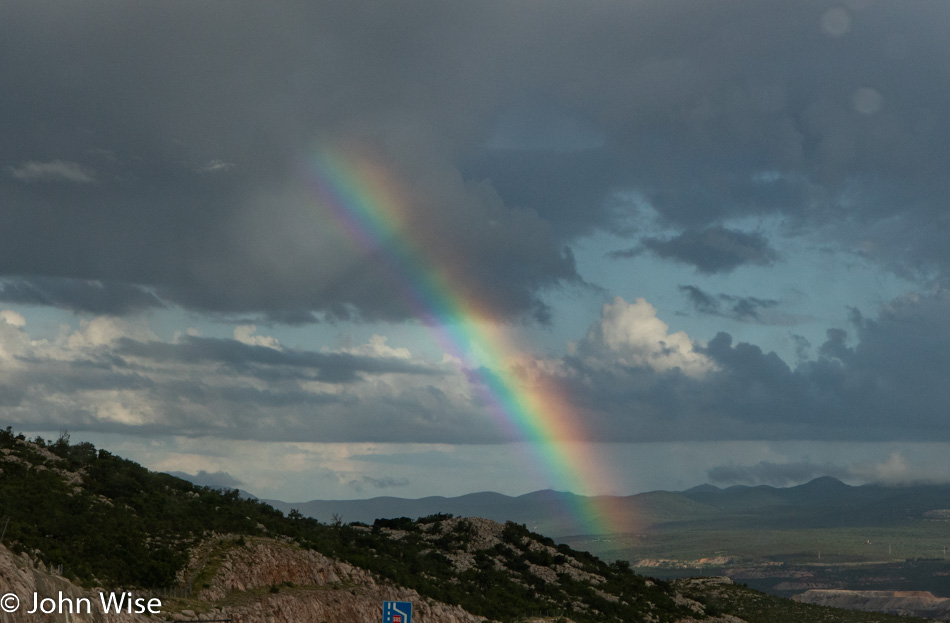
{"x":286,"y":584}
{"x":263,"y":563}
{"x":264,"y":580}
{"x":20,"y":576}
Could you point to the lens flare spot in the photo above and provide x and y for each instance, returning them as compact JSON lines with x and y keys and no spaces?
{"x":836,"y":22}
{"x":866,"y":100}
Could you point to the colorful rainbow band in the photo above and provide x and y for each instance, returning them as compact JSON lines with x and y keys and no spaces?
{"x":370,"y":207}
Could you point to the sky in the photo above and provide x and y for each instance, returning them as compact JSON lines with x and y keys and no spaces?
{"x":322,"y":250}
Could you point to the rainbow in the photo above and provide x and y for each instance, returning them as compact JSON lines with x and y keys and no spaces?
{"x":368,"y":203}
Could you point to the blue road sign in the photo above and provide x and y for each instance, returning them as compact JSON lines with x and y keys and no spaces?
{"x":397,"y":612}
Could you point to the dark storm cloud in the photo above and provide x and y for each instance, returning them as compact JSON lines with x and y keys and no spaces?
{"x":77,"y":295}
{"x":702,"y":301}
{"x":742,"y":308}
{"x":200,"y":145}
{"x":712,"y":250}
{"x":721,"y":114}
{"x":802,"y":347}
{"x":167,"y":145}
{"x":747,"y":307}
{"x":835,"y":345}
{"x":570,"y":188}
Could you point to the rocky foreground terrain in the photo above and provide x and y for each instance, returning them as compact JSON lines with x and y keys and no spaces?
{"x":243,"y":591}
{"x":263,"y":581}
{"x":80,"y":522}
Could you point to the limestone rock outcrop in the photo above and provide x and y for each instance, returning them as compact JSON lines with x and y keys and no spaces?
{"x":263,"y":582}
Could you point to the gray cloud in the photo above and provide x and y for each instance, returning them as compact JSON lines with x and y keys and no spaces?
{"x":192,"y":102}
{"x":702,"y":301}
{"x":78,"y":295}
{"x":210,"y":479}
{"x":748,"y":309}
{"x":53,"y":171}
{"x":701,"y":116}
{"x":802,"y":347}
{"x":376,"y":483}
{"x":882,"y":384}
{"x":112,"y":377}
{"x":629,"y":379}
{"x":329,"y":367}
{"x":169,"y":163}
{"x":711,"y":250}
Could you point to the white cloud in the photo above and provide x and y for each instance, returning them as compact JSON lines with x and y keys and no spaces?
{"x":53,"y":171}
{"x":377,"y":347}
{"x":104,"y":330}
{"x":13,"y":339}
{"x":12,"y":318}
{"x":216,"y":166}
{"x":894,"y":470}
{"x":245,"y":334}
{"x":111,"y":374}
{"x":631,"y":334}
{"x":121,"y":407}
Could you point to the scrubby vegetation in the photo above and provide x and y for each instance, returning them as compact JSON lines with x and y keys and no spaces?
{"x":111,"y":522}
{"x":106,"y":519}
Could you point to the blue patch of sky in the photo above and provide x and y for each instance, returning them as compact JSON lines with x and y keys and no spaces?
{"x":43,"y":323}
{"x":815,"y":286}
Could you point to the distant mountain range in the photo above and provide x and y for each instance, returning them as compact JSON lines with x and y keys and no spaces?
{"x":531,"y":509}
{"x":822,"y":503}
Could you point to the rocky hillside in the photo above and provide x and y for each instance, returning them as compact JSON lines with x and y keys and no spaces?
{"x":105,"y":521}
{"x":262,"y":580}
{"x":20,"y":576}
{"x":108,"y":525}
{"x":481,"y":561}
{"x":254,"y":585}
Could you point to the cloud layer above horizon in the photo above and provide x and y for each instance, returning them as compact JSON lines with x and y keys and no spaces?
{"x":726,"y":220}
